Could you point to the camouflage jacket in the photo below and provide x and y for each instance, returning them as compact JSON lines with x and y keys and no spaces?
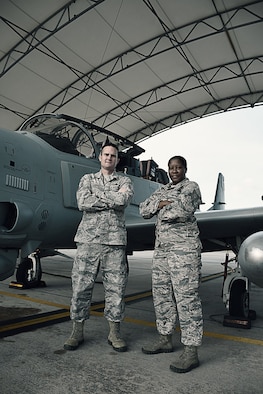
{"x":176,"y":224}
{"x":103,"y":219}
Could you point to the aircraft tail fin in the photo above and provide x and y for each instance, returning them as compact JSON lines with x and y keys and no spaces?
{"x":219,"y":201}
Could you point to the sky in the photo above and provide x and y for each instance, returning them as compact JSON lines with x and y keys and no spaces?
{"x":230,"y":143}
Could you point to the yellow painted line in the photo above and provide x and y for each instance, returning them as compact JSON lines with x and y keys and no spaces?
{"x":206,"y":333}
{"x":33,"y":321}
{"x":43,"y":302}
{"x":234,"y":338}
{"x":138,"y":296}
{"x":127,"y":299}
{"x":212,"y":276}
{"x":36,"y":300}
{"x":94,"y":312}
{"x":140,"y":322}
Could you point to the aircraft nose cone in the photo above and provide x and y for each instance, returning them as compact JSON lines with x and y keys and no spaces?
{"x":250,"y":258}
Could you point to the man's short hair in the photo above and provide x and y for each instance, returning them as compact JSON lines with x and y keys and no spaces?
{"x":109,"y":144}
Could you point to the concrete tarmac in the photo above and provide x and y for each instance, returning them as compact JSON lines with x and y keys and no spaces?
{"x":34,"y":323}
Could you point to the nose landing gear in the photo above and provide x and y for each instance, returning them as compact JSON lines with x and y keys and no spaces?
{"x":29,"y":273}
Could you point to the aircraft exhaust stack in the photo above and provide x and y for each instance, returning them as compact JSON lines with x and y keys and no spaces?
{"x":15,"y":216}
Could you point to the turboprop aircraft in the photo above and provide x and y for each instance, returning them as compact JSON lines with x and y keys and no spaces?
{"x":40,"y":168}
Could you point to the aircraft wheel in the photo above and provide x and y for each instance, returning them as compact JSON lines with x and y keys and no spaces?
{"x":29,"y":273}
{"x":239,"y":299}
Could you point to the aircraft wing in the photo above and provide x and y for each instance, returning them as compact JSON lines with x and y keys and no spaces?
{"x":219,"y":229}
{"x":229,"y":227}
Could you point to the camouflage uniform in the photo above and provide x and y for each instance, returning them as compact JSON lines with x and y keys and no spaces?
{"x":101,"y":239}
{"x":177,"y":260}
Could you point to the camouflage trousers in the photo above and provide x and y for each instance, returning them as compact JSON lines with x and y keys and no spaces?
{"x":113,"y":264}
{"x":176,"y":279}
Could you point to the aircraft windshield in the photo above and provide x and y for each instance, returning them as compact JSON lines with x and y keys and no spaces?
{"x":63,"y":135}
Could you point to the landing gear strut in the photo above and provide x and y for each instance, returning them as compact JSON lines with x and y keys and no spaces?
{"x":236,"y":298}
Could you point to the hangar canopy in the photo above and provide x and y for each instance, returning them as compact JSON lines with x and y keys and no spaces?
{"x":134,"y":67}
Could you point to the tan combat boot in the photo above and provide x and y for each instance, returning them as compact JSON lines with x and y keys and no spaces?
{"x":76,"y":337}
{"x":163,"y":344}
{"x":186,"y":361}
{"x":115,"y":339}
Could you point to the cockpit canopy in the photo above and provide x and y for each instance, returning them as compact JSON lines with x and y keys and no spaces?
{"x":81,"y":138}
